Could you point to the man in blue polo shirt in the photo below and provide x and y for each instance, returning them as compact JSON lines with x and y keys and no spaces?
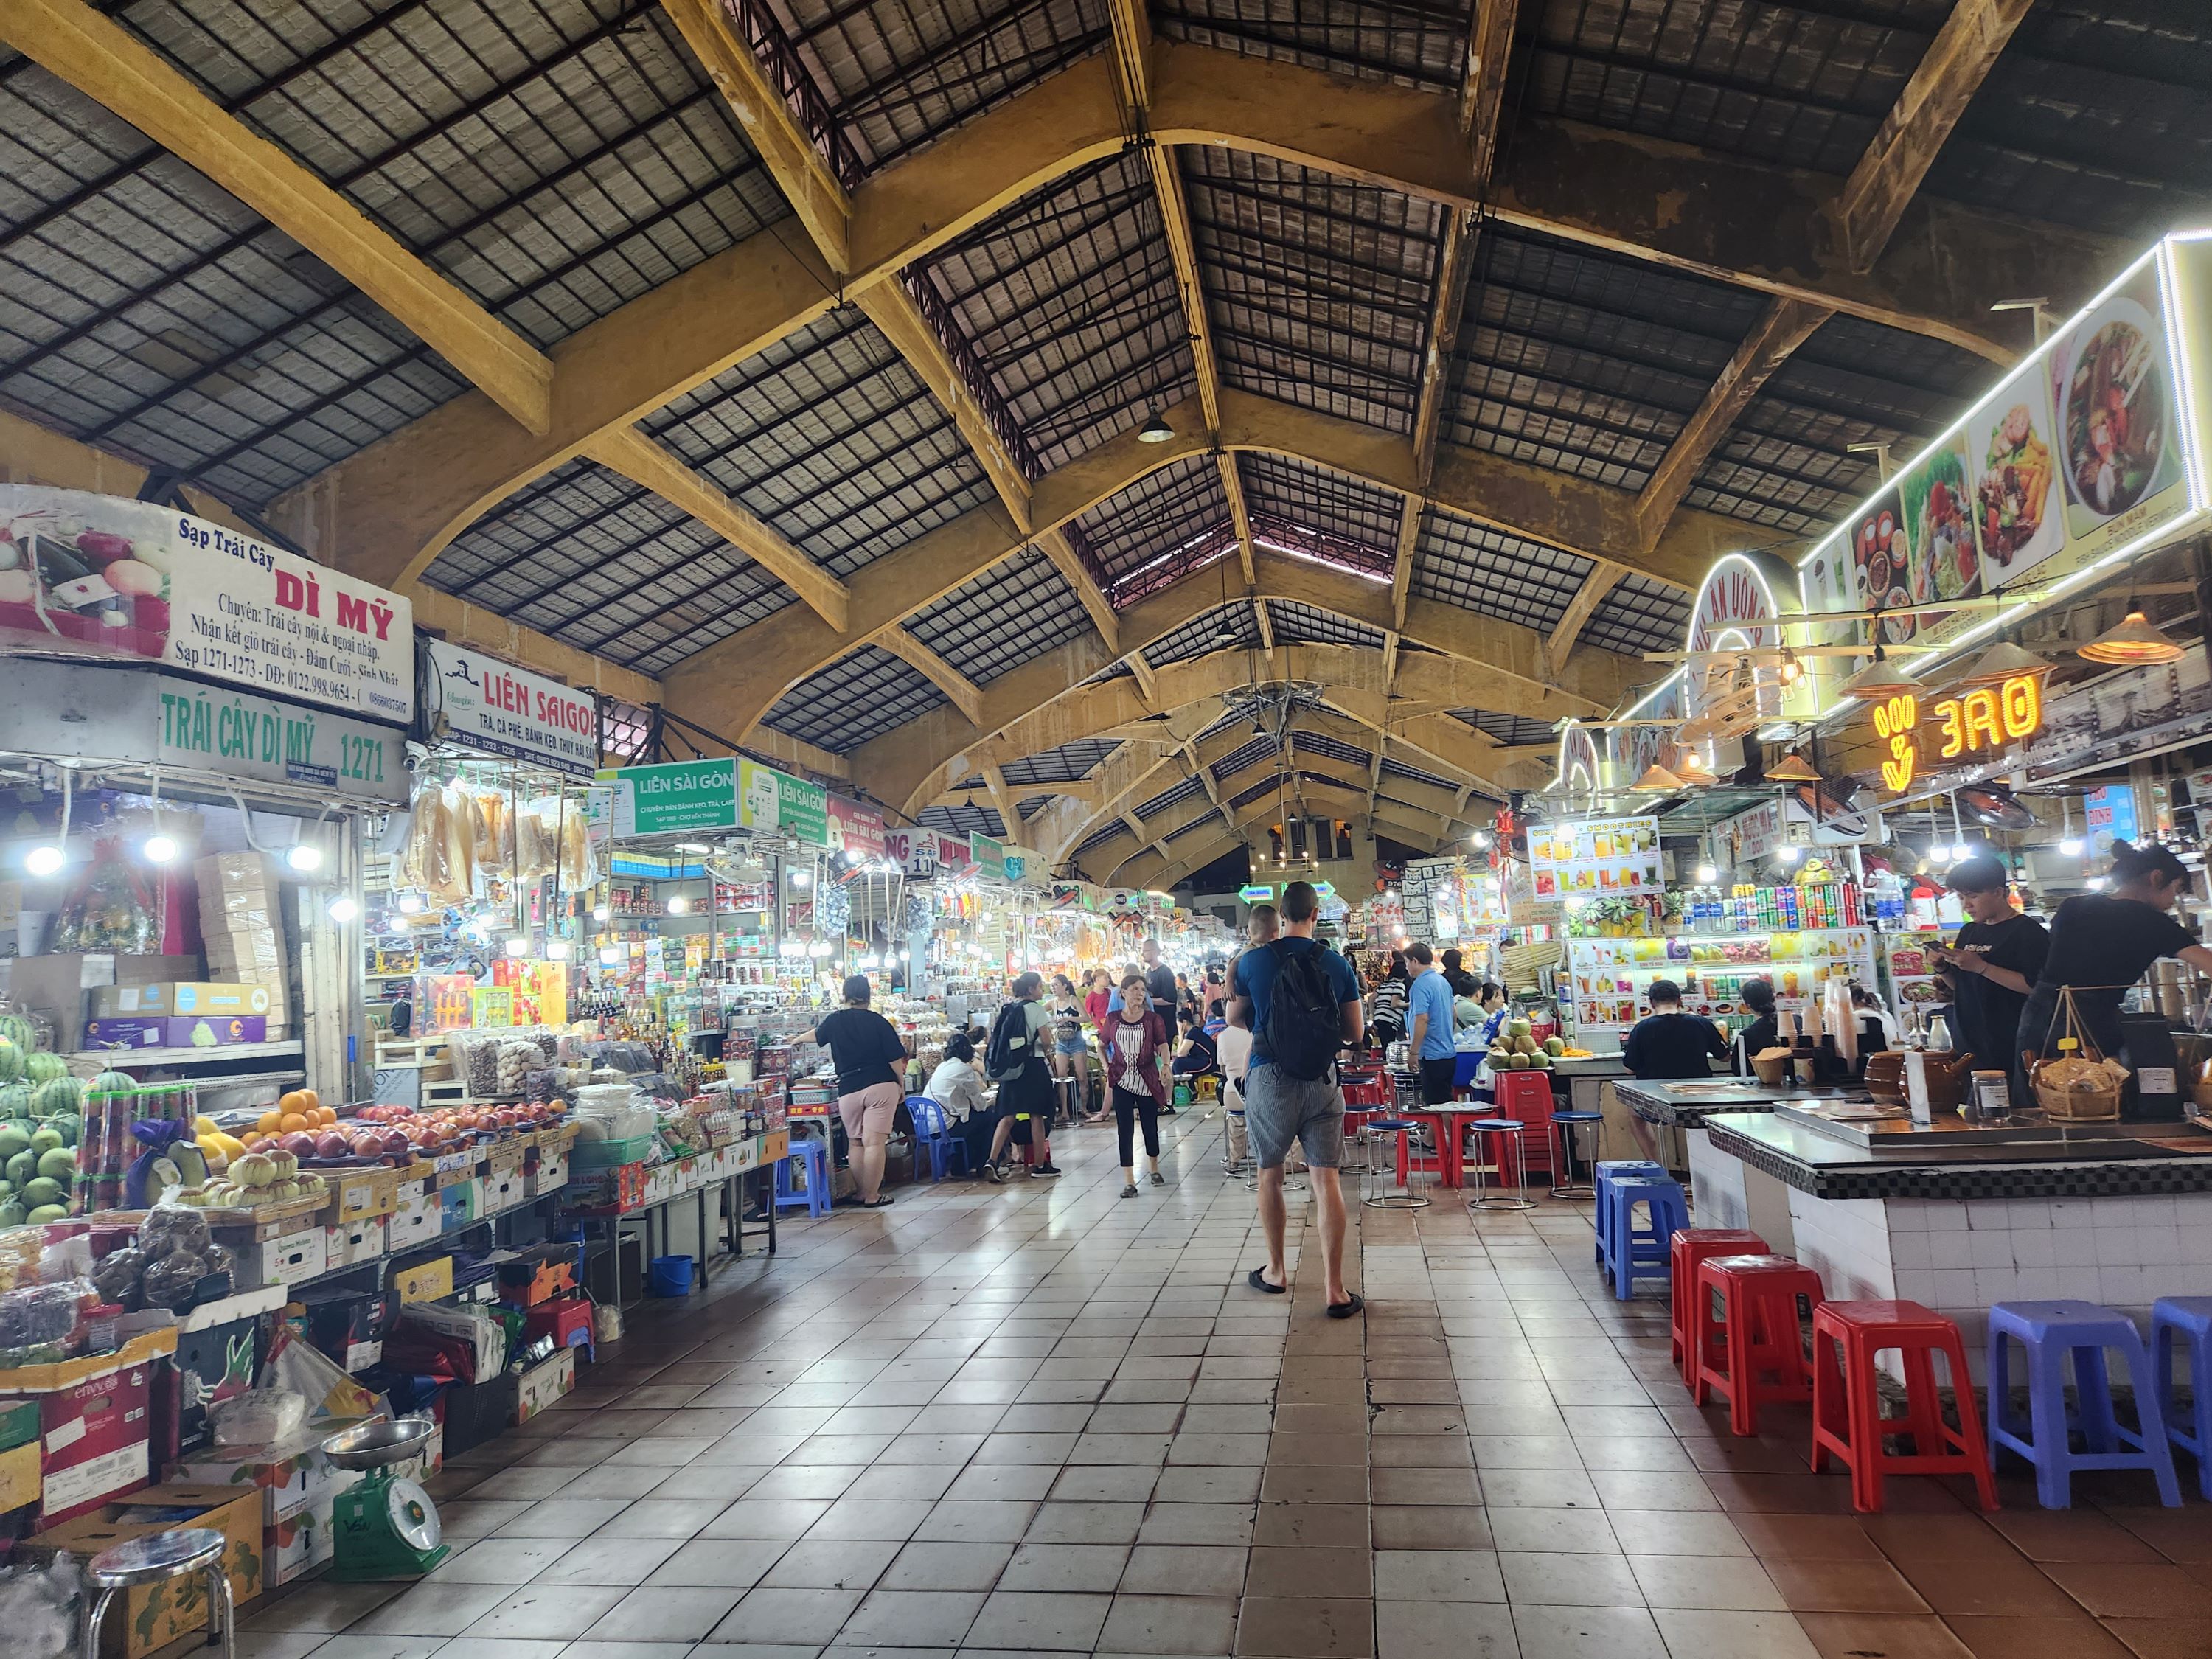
{"x":1429,"y":1025}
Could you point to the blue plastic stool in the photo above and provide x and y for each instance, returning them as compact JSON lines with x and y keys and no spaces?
{"x":1563,"y":1125}
{"x":934,"y":1136}
{"x":2185,"y":1319}
{"x":1606,"y":1173}
{"x":2048,"y":1332}
{"x":1632,"y":1252}
{"x":815,"y":1154}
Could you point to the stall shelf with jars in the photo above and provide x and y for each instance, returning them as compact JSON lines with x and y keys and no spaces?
{"x":1709,"y":941}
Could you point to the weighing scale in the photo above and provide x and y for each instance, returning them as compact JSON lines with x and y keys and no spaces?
{"x":384,"y":1527}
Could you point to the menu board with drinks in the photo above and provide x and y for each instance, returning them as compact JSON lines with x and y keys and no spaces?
{"x":1596,"y":858}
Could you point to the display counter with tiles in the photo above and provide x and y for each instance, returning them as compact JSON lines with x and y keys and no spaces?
{"x":1958,"y":1217}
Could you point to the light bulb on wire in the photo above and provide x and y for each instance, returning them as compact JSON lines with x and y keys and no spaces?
{"x":1707,"y":875}
{"x":305,"y":857}
{"x":43,"y":861}
{"x":159,"y":849}
{"x":342,"y":909}
{"x":410,"y":904}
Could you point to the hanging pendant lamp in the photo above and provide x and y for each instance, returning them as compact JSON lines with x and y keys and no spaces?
{"x":2135,"y":639}
{"x":1792,"y":769}
{"x":1657,"y":778}
{"x":1879,"y":680}
{"x":1690,"y":769}
{"x":2002,"y":661}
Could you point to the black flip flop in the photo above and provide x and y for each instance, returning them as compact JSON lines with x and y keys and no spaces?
{"x":1345,"y":1309}
{"x":1257,"y":1279}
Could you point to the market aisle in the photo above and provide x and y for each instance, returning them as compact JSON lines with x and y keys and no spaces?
{"x":1041,"y":1418}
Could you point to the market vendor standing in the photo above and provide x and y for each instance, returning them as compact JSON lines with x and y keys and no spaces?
{"x":1992,"y":965}
{"x":2100,"y":945}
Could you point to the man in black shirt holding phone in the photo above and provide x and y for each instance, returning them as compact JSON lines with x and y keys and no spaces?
{"x":1991,"y":965}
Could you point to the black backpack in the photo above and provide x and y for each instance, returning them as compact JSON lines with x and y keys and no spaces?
{"x":1007,"y":1053}
{"x":1305,"y":1026}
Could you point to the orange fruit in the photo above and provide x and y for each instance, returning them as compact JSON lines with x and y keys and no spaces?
{"x":269,"y":1123}
{"x":292,"y":1123}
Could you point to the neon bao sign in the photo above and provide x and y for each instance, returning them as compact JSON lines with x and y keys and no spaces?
{"x":1982,"y":722}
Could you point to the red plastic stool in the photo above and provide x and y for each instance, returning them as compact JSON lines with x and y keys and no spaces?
{"x":1758,"y":1302}
{"x":1688,"y":1248}
{"x":1847,"y":1417}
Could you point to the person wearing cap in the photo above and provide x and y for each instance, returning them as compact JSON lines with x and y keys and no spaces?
{"x":1992,"y":964}
{"x":870,"y":1057}
{"x":1666,"y":1044}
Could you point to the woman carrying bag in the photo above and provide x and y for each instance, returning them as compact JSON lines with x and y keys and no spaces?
{"x":1133,"y":1037}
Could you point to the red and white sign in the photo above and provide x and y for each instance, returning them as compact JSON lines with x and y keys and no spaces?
{"x":1735,"y":611}
{"x":510,"y":711}
{"x":857,"y":829}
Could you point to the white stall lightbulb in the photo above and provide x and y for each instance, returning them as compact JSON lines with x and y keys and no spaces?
{"x":600,"y":913}
{"x":305,"y":857}
{"x":342,"y":910}
{"x":43,"y":861}
{"x":2096,"y":884}
{"x":678,"y":904}
{"x":1789,"y":853}
{"x":2071,"y":846}
{"x":800,"y":877}
{"x":1960,"y":850}
{"x":410,"y":904}
{"x":1707,"y":873}
{"x":610,"y":956}
{"x":517,"y":945}
{"x":159,"y":849}
{"x":556,"y":950}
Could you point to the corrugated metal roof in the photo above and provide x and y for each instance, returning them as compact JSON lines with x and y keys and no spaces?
{"x":855,"y":698}
{"x":1487,"y":571}
{"x":1065,"y":764}
{"x":1012,"y":612}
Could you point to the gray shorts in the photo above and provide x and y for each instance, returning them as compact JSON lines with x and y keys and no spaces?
{"x":1279,"y":1109}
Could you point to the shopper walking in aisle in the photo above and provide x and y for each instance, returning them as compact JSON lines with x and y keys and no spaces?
{"x":1071,"y":1054}
{"x":1428,"y":1001}
{"x":1015,"y":1061}
{"x":871,"y":1060}
{"x":1160,"y":990}
{"x":1133,"y":1057}
{"x":1097,"y":1005}
{"x":1301,"y":1001}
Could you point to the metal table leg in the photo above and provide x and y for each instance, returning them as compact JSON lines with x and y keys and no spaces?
{"x":706,"y":1240}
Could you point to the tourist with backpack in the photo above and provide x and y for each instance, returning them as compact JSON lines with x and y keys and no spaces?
{"x":1021,"y":1037}
{"x":1301,"y":1000}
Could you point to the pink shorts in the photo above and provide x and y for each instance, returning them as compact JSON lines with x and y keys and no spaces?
{"x":869,"y":1111}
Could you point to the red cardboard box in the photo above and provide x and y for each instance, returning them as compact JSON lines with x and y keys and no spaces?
{"x":94,"y":1439}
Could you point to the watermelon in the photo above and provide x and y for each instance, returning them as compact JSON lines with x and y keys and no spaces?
{"x":20,"y":1031}
{"x":44,"y":1068}
{"x":15,"y":1100}
{"x":60,"y":1094}
{"x":11,"y":1061}
{"x":112,"y":1083}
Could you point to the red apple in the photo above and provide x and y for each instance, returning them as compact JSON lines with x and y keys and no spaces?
{"x":299,"y":1143}
{"x":332,"y":1144}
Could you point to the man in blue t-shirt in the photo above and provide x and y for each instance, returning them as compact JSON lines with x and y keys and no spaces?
{"x":1279,"y":1109}
{"x":1429,"y":1025}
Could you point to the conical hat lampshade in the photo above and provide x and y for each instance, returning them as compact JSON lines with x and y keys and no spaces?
{"x":1791,"y":768}
{"x":1657,"y":778}
{"x":2133,"y":640}
{"x":2002,"y":661}
{"x":1879,"y":679}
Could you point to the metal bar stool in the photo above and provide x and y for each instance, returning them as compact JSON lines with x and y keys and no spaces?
{"x":1563,"y":1125}
{"x":1508,"y":1132}
{"x":155,"y":1560}
{"x":1376,"y":1180}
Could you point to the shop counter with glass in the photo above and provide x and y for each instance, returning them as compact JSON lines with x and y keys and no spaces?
{"x":1959,"y":1215}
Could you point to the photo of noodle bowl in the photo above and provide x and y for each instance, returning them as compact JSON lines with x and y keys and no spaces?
{"x":2114,"y":401}
{"x":2016,"y":485}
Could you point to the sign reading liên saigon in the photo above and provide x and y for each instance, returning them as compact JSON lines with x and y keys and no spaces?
{"x":510,"y":711}
{"x":653,"y":800}
{"x":89,"y":575}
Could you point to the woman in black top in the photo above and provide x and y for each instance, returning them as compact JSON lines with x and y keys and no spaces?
{"x":871,"y":1059}
{"x":2100,"y":945}
{"x":1762,"y":1033}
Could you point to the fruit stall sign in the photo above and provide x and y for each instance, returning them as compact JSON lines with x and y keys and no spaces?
{"x":510,"y":711}
{"x":93,"y":575}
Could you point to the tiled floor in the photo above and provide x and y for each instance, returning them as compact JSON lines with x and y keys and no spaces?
{"x":1041,"y":1418}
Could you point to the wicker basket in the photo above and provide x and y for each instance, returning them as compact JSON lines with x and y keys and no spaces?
{"x":2099,"y":1105}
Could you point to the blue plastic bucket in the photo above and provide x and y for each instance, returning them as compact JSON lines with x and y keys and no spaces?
{"x":669,"y":1275}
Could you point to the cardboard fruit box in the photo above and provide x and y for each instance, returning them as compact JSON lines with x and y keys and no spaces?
{"x":154,"y":1615}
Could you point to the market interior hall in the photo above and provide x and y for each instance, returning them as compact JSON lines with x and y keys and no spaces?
{"x":1239,"y":828}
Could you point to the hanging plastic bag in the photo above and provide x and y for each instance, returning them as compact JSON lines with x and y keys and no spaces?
{"x":109,"y":910}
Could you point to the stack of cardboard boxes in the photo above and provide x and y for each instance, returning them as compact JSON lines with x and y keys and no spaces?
{"x":242,"y":929}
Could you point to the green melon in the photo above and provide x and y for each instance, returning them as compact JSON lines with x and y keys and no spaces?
{"x":68,"y":1126}
{"x":112,"y":1083}
{"x":58,"y":1094}
{"x":21,"y":1166}
{"x":18,"y":1031}
{"x":12,"y":1214}
{"x":58,"y":1165}
{"x":15,"y":1100}
{"x":11,"y":1061}
{"x":14,"y":1138}
{"x":43,"y":1191}
{"x":44,"y":1066}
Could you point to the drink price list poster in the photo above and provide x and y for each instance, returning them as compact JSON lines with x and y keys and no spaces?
{"x":1596,"y":858}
